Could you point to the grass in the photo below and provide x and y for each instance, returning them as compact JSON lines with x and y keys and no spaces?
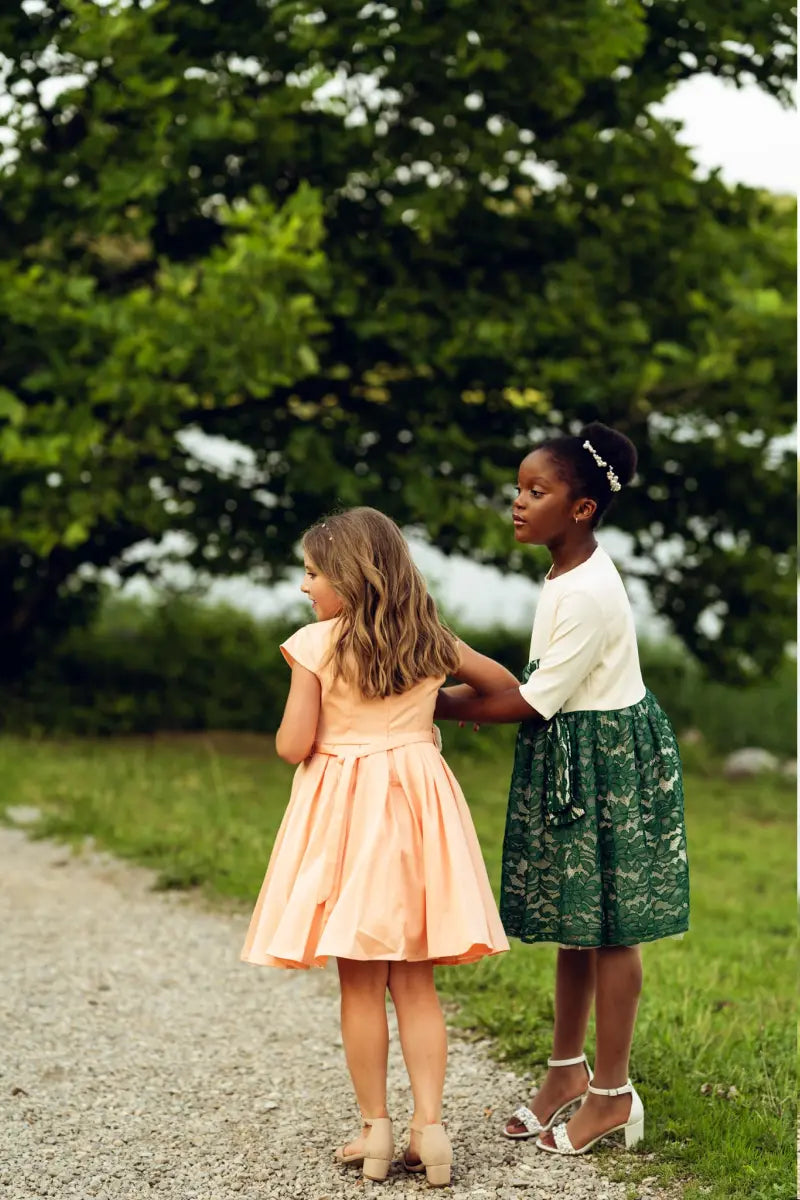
{"x":714,"y":1055}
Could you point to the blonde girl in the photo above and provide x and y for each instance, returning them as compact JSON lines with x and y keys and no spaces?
{"x":377,"y":863}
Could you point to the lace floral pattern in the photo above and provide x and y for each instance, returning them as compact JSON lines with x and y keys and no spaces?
{"x":595,"y":845}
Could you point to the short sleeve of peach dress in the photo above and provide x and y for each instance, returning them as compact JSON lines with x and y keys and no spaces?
{"x":377,"y":856}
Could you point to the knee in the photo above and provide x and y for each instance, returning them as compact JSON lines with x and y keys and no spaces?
{"x":628,"y":962}
{"x":634,"y":963}
{"x":410,"y":979}
{"x":367,"y":979}
{"x":623,"y":966}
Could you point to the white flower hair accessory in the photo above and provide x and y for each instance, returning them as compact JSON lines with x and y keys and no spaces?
{"x":613,"y":481}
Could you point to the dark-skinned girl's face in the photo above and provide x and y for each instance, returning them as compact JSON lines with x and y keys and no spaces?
{"x":544,"y":511}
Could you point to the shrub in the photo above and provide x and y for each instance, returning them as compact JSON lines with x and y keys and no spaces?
{"x":180,"y":664}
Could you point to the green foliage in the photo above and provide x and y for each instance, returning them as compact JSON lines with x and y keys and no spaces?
{"x":107,"y":376}
{"x":717,"y":1009}
{"x":174,"y":666}
{"x":183,"y":665}
{"x":385,"y":289}
{"x":729,"y":716}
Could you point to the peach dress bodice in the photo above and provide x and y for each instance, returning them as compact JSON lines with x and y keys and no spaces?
{"x":347,"y":717}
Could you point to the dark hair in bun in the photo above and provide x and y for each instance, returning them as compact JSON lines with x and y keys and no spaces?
{"x":578,"y":467}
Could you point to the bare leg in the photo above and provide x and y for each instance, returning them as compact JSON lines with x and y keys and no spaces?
{"x":365,"y":1033}
{"x":423,"y":1037}
{"x":575,"y":985}
{"x":619,"y":984}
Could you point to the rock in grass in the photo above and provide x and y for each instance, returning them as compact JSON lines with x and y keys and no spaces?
{"x":23,"y":814}
{"x":749,"y":762}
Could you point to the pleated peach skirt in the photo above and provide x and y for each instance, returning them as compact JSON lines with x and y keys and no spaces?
{"x":376,"y":858}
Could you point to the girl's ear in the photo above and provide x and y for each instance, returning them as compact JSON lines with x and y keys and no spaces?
{"x":585,"y":509}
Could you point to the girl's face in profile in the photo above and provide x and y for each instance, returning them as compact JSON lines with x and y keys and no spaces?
{"x":544,"y":508}
{"x":324,"y":600}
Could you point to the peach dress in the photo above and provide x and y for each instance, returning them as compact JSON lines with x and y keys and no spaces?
{"x":376,"y":856}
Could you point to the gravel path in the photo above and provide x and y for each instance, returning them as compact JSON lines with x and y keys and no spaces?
{"x":140,"y":1058}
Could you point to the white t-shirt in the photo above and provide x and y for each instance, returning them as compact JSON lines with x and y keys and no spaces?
{"x":585,"y":640}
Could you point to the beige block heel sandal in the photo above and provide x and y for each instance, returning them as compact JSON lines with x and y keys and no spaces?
{"x":376,"y":1151}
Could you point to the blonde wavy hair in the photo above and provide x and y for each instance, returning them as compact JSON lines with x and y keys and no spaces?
{"x":391,"y":636}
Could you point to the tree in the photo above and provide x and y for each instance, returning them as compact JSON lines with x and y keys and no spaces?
{"x":111,"y":376}
{"x":511,"y":240}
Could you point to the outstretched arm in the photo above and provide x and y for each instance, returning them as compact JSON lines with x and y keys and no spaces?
{"x":499,"y":708}
{"x":492,"y":693}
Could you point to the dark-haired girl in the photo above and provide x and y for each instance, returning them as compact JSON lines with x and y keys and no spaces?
{"x":594,"y":856}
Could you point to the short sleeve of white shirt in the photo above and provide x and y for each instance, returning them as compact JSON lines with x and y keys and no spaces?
{"x":575,"y":647}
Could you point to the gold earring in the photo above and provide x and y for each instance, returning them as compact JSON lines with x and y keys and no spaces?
{"x":576,"y":520}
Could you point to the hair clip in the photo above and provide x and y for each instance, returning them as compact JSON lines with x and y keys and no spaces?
{"x":613,"y":481}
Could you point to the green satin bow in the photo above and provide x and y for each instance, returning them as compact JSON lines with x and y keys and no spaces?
{"x":559,"y":804}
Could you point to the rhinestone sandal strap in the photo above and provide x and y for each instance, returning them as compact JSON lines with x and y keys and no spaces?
{"x":566,"y":1062}
{"x":561,"y":1139}
{"x":529,"y":1120}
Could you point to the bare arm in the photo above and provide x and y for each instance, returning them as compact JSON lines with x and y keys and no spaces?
{"x":298,"y":728}
{"x":486,"y":681}
{"x":498,"y":708}
{"x":483,"y":675}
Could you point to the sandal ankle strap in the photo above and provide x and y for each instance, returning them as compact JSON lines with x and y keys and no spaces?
{"x":620,"y":1091}
{"x":566,"y":1062}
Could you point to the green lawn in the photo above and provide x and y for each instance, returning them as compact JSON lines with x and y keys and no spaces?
{"x":718,"y":1011}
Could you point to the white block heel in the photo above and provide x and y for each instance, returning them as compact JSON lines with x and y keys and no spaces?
{"x":634,"y":1133}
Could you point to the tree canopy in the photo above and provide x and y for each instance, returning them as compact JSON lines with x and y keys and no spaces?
{"x":385,"y":247}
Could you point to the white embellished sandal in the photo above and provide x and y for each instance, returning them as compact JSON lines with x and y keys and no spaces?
{"x":633,"y":1127}
{"x":533,"y":1126}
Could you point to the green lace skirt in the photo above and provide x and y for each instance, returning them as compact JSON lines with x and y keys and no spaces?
{"x":594,"y":852}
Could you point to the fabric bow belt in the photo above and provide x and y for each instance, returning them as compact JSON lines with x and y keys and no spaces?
{"x":348,"y":755}
{"x":559,"y":805}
